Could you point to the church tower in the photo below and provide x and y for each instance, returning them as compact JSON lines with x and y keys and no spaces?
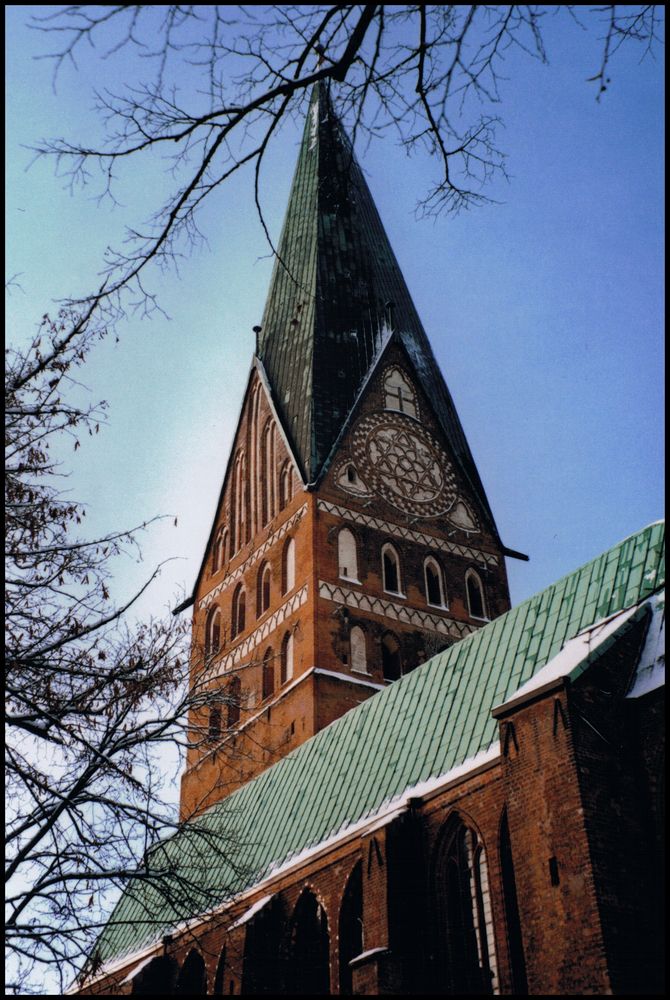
{"x":353,"y":538}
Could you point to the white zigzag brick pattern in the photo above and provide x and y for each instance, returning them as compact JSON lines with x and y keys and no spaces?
{"x":261,"y":633}
{"x":236,"y":574}
{"x":411,"y":536}
{"x":411,"y":616}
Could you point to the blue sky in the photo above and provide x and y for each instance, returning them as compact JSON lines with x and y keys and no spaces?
{"x":544,"y":309}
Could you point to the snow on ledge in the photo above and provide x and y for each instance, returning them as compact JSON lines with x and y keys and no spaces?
{"x":251,"y":912}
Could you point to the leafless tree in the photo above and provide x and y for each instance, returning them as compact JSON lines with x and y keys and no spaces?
{"x":427,"y":73}
{"x":93,"y":702}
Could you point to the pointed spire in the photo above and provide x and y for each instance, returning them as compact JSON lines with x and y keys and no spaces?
{"x":335,"y":295}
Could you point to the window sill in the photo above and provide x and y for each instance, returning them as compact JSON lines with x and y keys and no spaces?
{"x":350,"y":579}
{"x":395,"y":593}
{"x":438,"y":607}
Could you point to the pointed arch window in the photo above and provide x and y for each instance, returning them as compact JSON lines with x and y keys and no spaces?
{"x":399,"y":393}
{"x":192,"y":980}
{"x":213,"y":632}
{"x":514,"y":938}
{"x":432,"y":574}
{"x":351,"y":928}
{"x":286,"y":673}
{"x":288,"y":566}
{"x":239,"y":609}
{"x":464,"y":946}
{"x":240,"y":532}
{"x":475,"y":594}
{"x":254,"y":458}
{"x":359,"y":659}
{"x":308,"y":967}
{"x":285,"y":485}
{"x":268,"y":473}
{"x":391,"y":660}
{"x":214,"y":723}
{"x":391,"y":571}
{"x":263,"y":589}
{"x":234,"y":698}
{"x":347,"y":555}
{"x":219,"y":550}
{"x":268,"y":674}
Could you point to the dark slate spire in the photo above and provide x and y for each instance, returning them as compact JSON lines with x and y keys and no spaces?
{"x":328,"y":310}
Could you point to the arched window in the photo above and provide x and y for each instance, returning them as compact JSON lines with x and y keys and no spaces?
{"x":192,"y":980}
{"x":288,"y":567}
{"x":263,"y":589}
{"x":351,"y":928}
{"x":254,"y":457}
{"x":219,"y":550}
{"x":434,"y":583}
{"x":268,"y":674}
{"x":391,"y":662}
{"x":475,"y":592}
{"x":220,"y":977}
{"x":268,"y":473}
{"x":391,"y":570}
{"x":398,"y":393}
{"x":214,"y":725}
{"x":240,"y":532}
{"x":238,"y":615}
{"x":213,"y":632}
{"x":308,"y":967}
{"x":285,"y":485}
{"x":515,"y":943}
{"x":465,"y":955}
{"x":347,"y":556}
{"x":234,"y":698}
{"x":359,"y":660}
{"x":287,"y":658}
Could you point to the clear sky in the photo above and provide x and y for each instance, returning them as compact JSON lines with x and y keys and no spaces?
{"x":544,"y":310}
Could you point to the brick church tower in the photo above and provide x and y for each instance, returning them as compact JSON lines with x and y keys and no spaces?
{"x":353,"y":538}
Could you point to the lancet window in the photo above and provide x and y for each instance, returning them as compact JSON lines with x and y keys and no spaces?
{"x":268,"y":674}
{"x":285,"y":485}
{"x":263,"y":589}
{"x":234,"y":696}
{"x":434,"y":581}
{"x":347,"y":555}
{"x":475,"y":594}
{"x":288,"y":566}
{"x":359,"y":659}
{"x":267,"y":484}
{"x":391,"y":570}
{"x":287,"y":658}
{"x":213,"y":632}
{"x":238,"y":611}
{"x":464,"y":950}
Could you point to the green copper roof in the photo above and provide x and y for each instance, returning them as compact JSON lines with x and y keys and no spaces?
{"x":418,"y":728}
{"x":328,"y":312}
